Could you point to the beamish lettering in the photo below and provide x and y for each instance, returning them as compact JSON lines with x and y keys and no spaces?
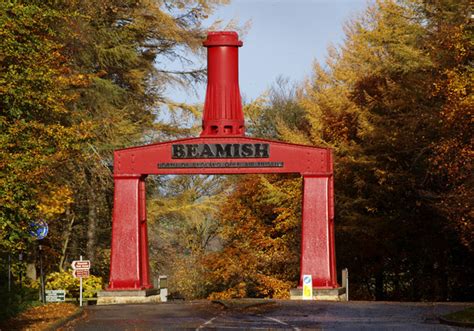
{"x":220,"y":151}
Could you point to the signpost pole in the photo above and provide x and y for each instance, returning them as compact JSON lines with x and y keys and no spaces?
{"x":43,"y":299}
{"x":81,"y":270}
{"x":80,"y":288}
{"x":9,"y":277}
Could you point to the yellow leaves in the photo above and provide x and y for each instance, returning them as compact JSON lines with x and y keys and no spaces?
{"x":76,"y":80}
{"x":66,"y":281}
{"x":235,"y":292}
{"x":55,"y":202}
{"x":272,"y":287}
{"x":40,"y":317}
{"x":259,"y":220}
{"x":253,"y":111}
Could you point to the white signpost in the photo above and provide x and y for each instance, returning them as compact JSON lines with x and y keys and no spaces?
{"x":80,"y":270}
{"x":307,"y":287}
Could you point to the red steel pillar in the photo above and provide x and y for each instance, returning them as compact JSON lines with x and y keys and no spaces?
{"x":129,"y":252}
{"x":144,"y":262}
{"x":223,"y":114}
{"x":317,"y":242}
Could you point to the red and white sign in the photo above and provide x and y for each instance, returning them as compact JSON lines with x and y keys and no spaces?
{"x":80,"y":273}
{"x":81,"y":264}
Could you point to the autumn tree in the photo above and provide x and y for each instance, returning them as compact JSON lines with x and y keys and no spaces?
{"x":183,"y":218}
{"x":37,"y":135}
{"x":378,"y":104}
{"x":394,"y":103}
{"x":80,"y":79}
{"x":260,"y":230}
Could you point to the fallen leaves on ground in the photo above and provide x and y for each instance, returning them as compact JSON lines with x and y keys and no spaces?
{"x":40,"y":317}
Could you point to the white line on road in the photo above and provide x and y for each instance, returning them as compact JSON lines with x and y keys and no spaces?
{"x":202,"y":326}
{"x":280,"y":322}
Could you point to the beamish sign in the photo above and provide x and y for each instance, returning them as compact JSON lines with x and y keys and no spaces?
{"x":220,"y":151}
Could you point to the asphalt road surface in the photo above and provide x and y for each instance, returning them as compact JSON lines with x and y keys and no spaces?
{"x":289,"y":315}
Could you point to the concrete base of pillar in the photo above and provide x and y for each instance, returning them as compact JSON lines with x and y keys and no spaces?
{"x":322,"y":294}
{"x":127,"y":297}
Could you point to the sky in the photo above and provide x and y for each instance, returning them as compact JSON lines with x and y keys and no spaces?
{"x":284,"y":39}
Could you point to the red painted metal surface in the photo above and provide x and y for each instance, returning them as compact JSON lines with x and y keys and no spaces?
{"x":223,"y":114}
{"x":317,"y":240}
{"x":222,"y":148}
{"x":295,"y":158}
{"x":144,"y":263}
{"x":125,"y":273}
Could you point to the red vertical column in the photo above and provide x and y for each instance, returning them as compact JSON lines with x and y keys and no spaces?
{"x":317,"y":243}
{"x":144,"y":263}
{"x":125,"y":270}
{"x":223,"y":114}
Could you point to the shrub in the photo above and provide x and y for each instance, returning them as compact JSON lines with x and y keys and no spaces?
{"x":65,"y":281}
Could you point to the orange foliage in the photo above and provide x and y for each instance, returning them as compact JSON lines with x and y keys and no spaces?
{"x":260,"y":233}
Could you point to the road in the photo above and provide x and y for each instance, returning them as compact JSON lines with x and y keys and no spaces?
{"x":289,"y":315}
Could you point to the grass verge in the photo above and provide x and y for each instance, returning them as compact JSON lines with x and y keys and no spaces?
{"x":464,"y":318}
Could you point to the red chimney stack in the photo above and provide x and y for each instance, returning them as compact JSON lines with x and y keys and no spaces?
{"x":223,"y":114}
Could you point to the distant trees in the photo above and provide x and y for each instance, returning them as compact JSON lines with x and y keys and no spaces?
{"x":395,"y":104}
{"x":184,"y":227}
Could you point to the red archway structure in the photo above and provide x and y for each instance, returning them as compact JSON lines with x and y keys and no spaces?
{"x":222,"y":148}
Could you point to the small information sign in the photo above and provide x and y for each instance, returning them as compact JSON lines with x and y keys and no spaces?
{"x":55,"y":295}
{"x":307,"y":287}
{"x":81,"y":270}
{"x":80,"y":273}
{"x":84,"y":264}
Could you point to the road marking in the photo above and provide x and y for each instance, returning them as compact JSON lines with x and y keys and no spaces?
{"x":275,"y":320}
{"x":202,"y":326}
{"x":280,"y":322}
{"x":209,"y":322}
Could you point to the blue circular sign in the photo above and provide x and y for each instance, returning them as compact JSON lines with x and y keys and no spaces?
{"x":39,"y":229}
{"x":307,"y":280}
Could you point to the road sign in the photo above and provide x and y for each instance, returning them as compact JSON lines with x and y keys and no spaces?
{"x":80,"y":273}
{"x":38,"y":229}
{"x":55,"y":295}
{"x":84,"y":264}
{"x":307,"y":287}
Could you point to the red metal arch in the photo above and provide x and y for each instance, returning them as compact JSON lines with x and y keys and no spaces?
{"x":221,"y":149}
{"x":129,"y":260}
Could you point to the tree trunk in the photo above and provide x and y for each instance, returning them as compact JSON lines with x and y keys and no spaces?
{"x":379,"y":287}
{"x":92,"y":223}
{"x":67,"y":236}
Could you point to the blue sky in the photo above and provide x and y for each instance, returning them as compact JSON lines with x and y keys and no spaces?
{"x":284,"y":39}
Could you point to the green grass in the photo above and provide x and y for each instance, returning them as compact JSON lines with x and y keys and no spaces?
{"x":463,"y":316}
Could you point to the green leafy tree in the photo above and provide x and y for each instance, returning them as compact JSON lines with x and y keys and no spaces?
{"x":78,"y":80}
{"x":37,"y":136}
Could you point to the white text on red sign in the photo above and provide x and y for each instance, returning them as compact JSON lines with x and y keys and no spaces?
{"x":80,"y":273}
{"x":84,"y":264}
